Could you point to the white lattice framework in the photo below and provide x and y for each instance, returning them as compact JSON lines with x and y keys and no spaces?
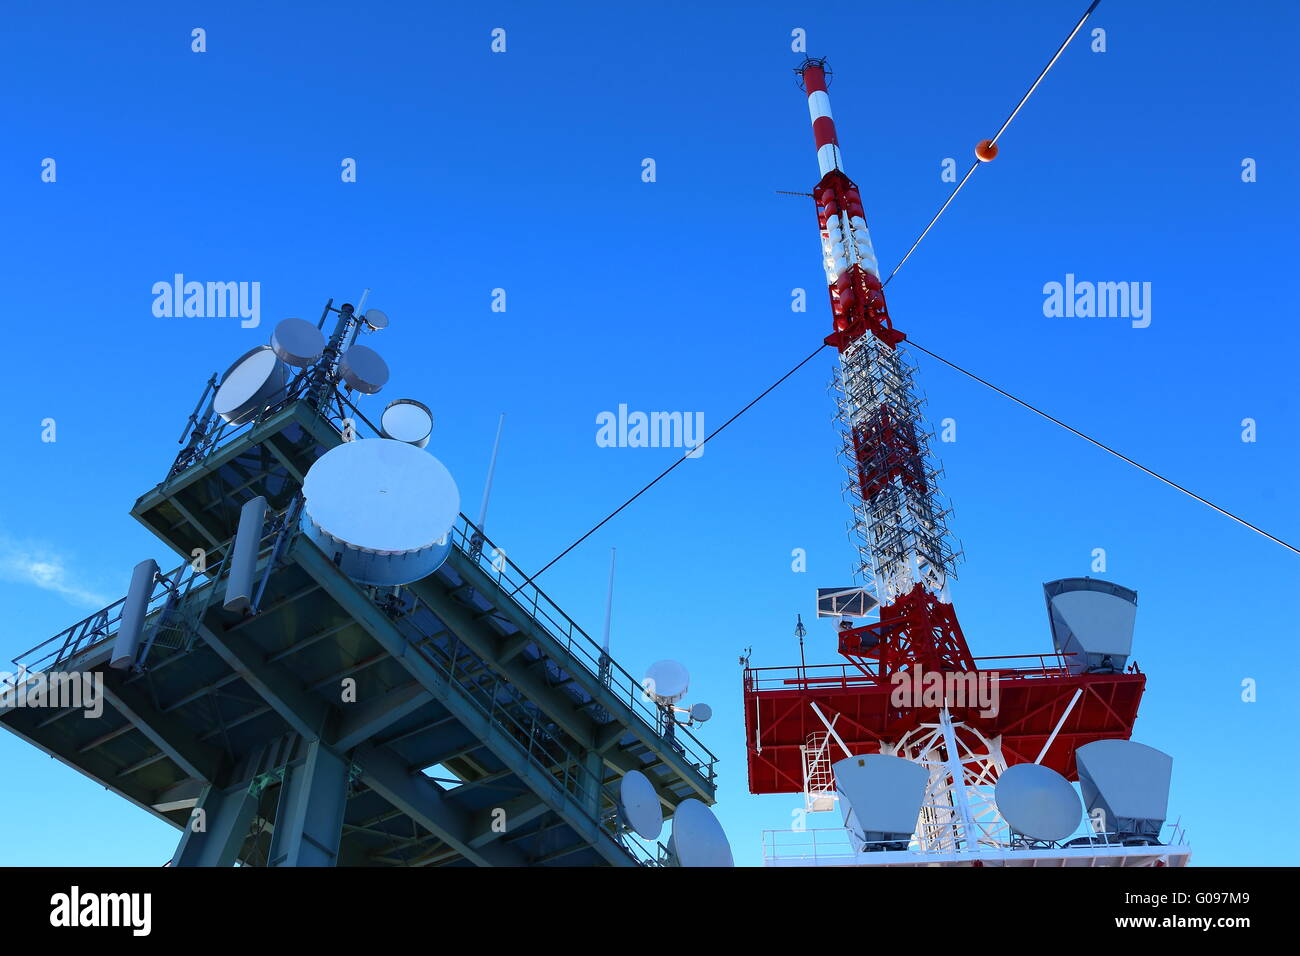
{"x":958,"y":810}
{"x":902,"y":526}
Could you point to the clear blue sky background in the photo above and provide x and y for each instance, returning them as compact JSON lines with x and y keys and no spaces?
{"x":522,"y":170}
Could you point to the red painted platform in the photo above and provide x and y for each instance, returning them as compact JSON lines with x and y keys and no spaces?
{"x":1033,"y":692}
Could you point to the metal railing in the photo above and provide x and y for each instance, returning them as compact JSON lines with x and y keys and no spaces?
{"x":534,"y":602}
{"x":187,"y":590}
{"x":834,"y":846}
{"x":535,"y":734}
{"x":822,"y":677}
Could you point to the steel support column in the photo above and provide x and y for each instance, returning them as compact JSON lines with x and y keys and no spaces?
{"x":217,"y":828}
{"x":309,"y":818}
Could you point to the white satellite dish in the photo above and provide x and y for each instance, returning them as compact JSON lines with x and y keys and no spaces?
{"x":1038,"y":802}
{"x":701,"y":712}
{"x":698,"y":838}
{"x":255,"y":380}
{"x":376,"y":320}
{"x":407,"y":420}
{"x":363,"y":370}
{"x":666,"y":681}
{"x":383,"y":507}
{"x":639,"y":805}
{"x":297,"y":342}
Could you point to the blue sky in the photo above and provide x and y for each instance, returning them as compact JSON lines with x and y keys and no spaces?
{"x":522,"y":171}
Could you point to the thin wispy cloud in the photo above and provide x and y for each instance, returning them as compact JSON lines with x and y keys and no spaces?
{"x":45,"y":568}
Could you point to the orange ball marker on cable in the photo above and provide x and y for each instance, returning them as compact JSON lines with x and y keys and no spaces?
{"x":986,"y":150}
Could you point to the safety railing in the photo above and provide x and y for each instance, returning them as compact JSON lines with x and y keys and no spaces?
{"x":508,"y":709}
{"x":834,"y":846}
{"x":186,"y":590}
{"x":534,"y":602}
{"x":831,"y":677}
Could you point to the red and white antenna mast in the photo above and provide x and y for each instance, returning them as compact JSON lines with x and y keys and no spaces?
{"x":906,"y":557}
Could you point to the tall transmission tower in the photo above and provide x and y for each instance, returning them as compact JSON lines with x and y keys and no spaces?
{"x":905,"y":554}
{"x":933,"y":756}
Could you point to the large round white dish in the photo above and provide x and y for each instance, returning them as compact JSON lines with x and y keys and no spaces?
{"x":297,"y":342}
{"x":666,"y":681}
{"x":254,"y":381}
{"x":1038,"y":802}
{"x":363,"y":370}
{"x":698,"y":837}
{"x":639,"y":805}
{"x":383,"y":507}
{"x":407,"y":420}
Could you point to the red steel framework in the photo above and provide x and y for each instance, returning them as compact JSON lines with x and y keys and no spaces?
{"x":906,"y":556}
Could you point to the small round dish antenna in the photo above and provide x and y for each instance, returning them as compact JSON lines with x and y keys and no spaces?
{"x":297,"y":342}
{"x":363,"y":370}
{"x":407,"y":420}
{"x":701,"y":712}
{"x":381,"y":510}
{"x":698,"y":838}
{"x":253,"y":382}
{"x":1037,"y":802}
{"x":375,"y":320}
{"x":666,"y":681}
{"x":638,"y":804}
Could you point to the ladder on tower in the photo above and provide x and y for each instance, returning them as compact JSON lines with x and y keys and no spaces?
{"x":818,"y":779}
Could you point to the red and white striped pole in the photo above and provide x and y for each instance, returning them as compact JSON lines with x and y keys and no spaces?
{"x":847,"y":253}
{"x":823,"y":123}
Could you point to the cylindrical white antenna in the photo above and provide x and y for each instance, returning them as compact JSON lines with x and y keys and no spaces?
{"x":361,"y":304}
{"x":609,"y":604}
{"x":492,"y":467}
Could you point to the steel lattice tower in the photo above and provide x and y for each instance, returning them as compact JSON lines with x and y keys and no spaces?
{"x":906,"y":555}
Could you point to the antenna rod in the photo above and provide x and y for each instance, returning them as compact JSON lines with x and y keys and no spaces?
{"x":492,"y":467}
{"x":609,"y":605}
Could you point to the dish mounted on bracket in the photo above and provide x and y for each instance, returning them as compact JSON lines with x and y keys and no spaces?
{"x":253,"y":382}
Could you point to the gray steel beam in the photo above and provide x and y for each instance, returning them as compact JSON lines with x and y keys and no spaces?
{"x":307,"y":714}
{"x":217,"y":828}
{"x":364,"y":721}
{"x":182,"y":796}
{"x":193,"y":756}
{"x":506,"y":748}
{"x":427,"y":805}
{"x":612,"y":703}
{"x":559,"y":706}
{"x":309,"y":818}
{"x":92,"y":766}
{"x":491,"y":823}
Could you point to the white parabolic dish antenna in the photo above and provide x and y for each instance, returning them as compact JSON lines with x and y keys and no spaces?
{"x":407,"y":420}
{"x":639,"y":805}
{"x":666,"y":681}
{"x":698,"y":837}
{"x":248,"y":386}
{"x":1038,"y":802}
{"x":385,"y":507}
{"x":363,"y":370}
{"x":297,"y":342}
{"x":376,"y":320}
